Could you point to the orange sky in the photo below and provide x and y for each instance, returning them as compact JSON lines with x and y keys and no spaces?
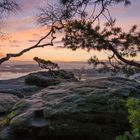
{"x":23,"y":33}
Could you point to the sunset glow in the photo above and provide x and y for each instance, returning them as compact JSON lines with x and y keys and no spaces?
{"x":24,"y":32}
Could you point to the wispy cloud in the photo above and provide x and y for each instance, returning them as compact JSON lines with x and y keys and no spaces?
{"x":15,"y":46}
{"x":32,"y":40}
{"x":14,"y":41}
{"x":20,"y":24}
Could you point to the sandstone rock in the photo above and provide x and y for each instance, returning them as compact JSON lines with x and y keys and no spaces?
{"x":45,"y":79}
{"x":7,"y":101}
{"x":30,"y":84}
{"x":89,"y":110}
{"x":18,"y":87}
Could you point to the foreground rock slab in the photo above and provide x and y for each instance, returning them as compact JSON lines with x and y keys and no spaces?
{"x":7,"y":101}
{"x":89,"y":110}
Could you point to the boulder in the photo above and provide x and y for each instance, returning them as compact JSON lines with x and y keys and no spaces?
{"x":88,"y":110}
{"x":32,"y":83}
{"x":7,"y":101}
{"x":18,"y":87}
{"x":45,"y":79}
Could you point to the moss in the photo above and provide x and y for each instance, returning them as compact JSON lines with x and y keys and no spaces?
{"x":6,"y":120}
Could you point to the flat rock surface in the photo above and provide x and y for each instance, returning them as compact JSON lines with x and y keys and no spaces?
{"x":89,"y":110}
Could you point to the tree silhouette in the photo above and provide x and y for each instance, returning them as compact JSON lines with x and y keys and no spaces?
{"x":83,"y":29}
{"x":7,"y":6}
{"x":82,"y":34}
{"x":95,"y":61}
{"x":46,"y":64}
{"x":72,"y":16}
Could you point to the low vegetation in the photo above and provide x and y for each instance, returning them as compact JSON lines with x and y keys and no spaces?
{"x":133,"y":106}
{"x":46,"y":64}
{"x":6,"y":120}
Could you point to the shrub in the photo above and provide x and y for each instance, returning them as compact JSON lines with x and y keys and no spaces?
{"x":46,"y":64}
{"x":133,"y":106}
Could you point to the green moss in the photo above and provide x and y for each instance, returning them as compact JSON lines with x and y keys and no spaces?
{"x":6,"y":120}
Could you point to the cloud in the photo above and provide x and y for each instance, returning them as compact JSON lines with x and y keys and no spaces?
{"x":27,"y":5}
{"x":36,"y":35}
{"x":3,"y":45}
{"x":1,"y":54}
{"x":25,"y":35}
{"x":20,"y":23}
{"x":32,"y":40}
{"x":14,"y":41}
{"x":15,"y":45}
{"x":118,"y":10}
{"x":58,"y":42}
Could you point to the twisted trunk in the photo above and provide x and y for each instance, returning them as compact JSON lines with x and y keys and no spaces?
{"x":129,"y":62}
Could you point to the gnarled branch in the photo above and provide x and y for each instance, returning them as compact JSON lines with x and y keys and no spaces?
{"x":51,"y":33}
{"x":129,"y":62}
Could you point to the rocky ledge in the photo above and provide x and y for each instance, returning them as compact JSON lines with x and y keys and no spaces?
{"x":88,"y":110}
{"x":7,"y":101}
{"x":34,"y":82}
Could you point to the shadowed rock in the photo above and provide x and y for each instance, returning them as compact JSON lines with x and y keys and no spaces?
{"x":89,"y":110}
{"x":34,"y":82}
{"x":7,"y":101}
{"x":45,"y":79}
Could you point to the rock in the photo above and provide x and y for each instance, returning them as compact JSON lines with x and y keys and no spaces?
{"x":30,"y":84}
{"x":5,"y":134}
{"x":7,"y":101}
{"x":45,"y":79}
{"x":18,"y":87}
{"x":85,"y":110}
{"x":41,"y":81}
{"x":136,"y":77}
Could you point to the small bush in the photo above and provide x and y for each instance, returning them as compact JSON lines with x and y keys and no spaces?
{"x":133,"y":106}
{"x":46,"y":64}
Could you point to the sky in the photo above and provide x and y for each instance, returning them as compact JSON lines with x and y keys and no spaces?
{"x":23,"y":32}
